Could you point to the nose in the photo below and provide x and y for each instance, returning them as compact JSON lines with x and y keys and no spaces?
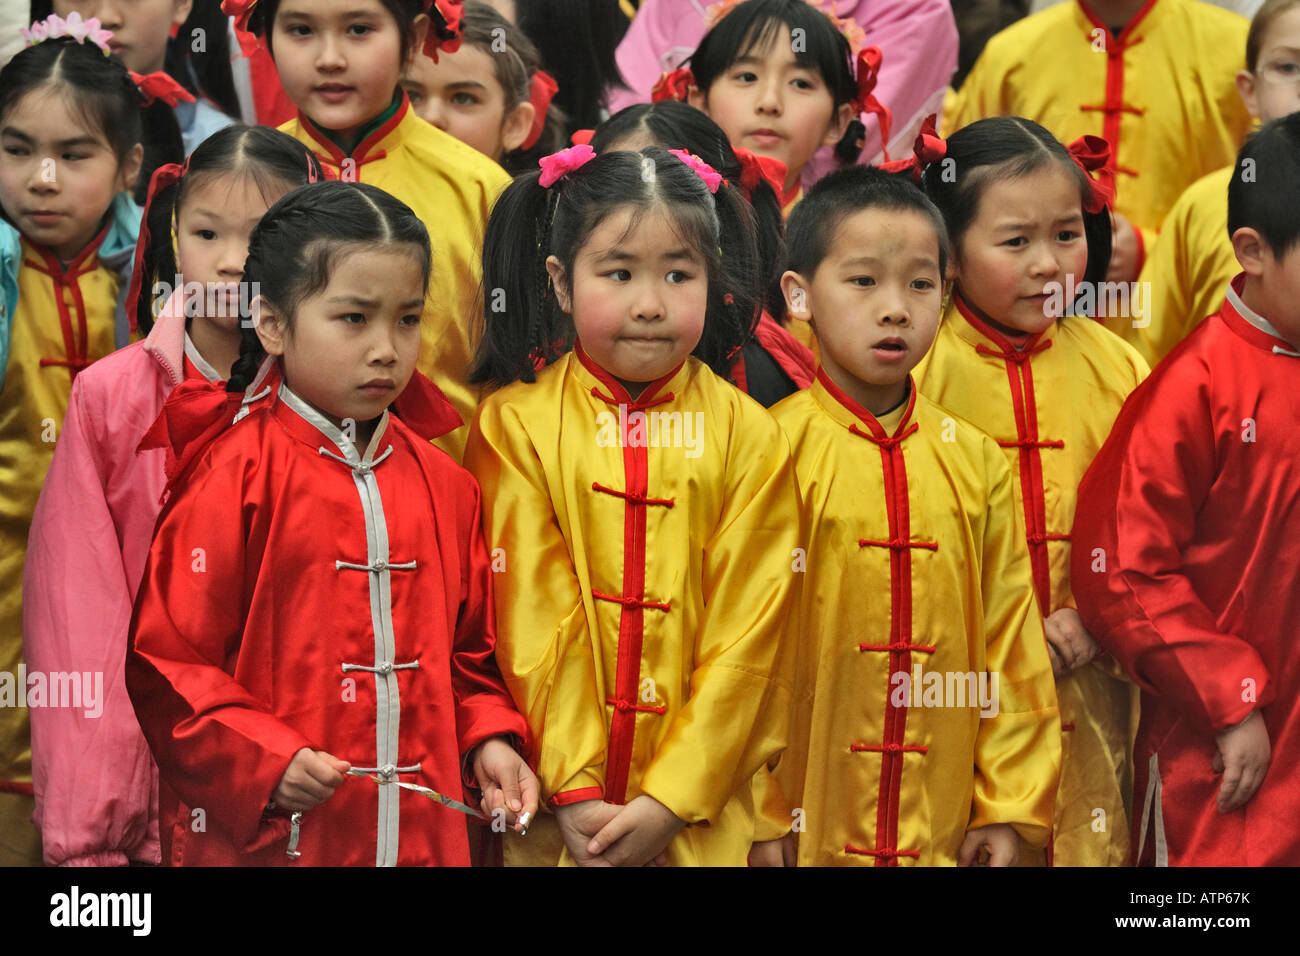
{"x":383,"y":343}
{"x":432,"y":111}
{"x":43,"y":176}
{"x":108,"y":14}
{"x":649,"y":304}
{"x":894,"y":310}
{"x":769,"y":95}
{"x":329,"y":54}
{"x":1044,"y":261}
{"x":230,"y":262}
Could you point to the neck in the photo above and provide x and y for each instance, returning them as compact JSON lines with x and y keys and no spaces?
{"x":877,"y":399}
{"x":1017,"y":336}
{"x":219,"y":348}
{"x":1116,"y":13}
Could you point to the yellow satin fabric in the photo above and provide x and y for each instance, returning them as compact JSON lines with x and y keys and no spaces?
{"x":1080,"y":384}
{"x":32,"y":407}
{"x":971,"y":599}
{"x":1189,"y":270}
{"x":721,"y":557}
{"x":451,"y":187}
{"x":1049,"y":65}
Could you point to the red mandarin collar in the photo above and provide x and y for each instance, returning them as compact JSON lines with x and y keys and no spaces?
{"x":877,"y":430}
{"x":53,"y":267}
{"x":1004,"y":342}
{"x":617,"y":394}
{"x":367,"y":150}
{"x":1234,"y":318}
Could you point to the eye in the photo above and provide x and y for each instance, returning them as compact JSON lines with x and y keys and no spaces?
{"x":410,"y":320}
{"x":1067,"y":235}
{"x":1016,"y":242}
{"x":74,"y":157}
{"x":360,"y":29}
{"x":863,"y":282}
{"x":206,"y":234}
{"x":682,"y":276}
{"x":922,"y":285}
{"x":16,"y":150}
{"x":619,"y":275}
{"x":297,"y":29}
{"x":803,"y":83}
{"x":353,"y":318}
{"x":744,"y":76}
{"x":464,"y":99}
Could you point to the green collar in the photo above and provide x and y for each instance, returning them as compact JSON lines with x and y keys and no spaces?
{"x":366,"y":130}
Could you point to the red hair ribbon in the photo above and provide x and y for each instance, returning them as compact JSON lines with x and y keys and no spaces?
{"x":163,"y":177}
{"x":541,"y":90}
{"x":1090,"y":153}
{"x":195,"y":413}
{"x":868,"y":72}
{"x":558,"y":165}
{"x":755,"y":169}
{"x":582,"y":137}
{"x":160,"y":86}
{"x":673,"y":86}
{"x":241,"y":11}
{"x":712,"y":178}
{"x":928,"y":148}
{"x":444,"y":27}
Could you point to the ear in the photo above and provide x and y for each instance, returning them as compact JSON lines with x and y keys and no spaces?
{"x":1250,"y":249}
{"x":696,"y":98}
{"x":795,"y":289}
{"x":516,"y":126}
{"x":129,"y":170}
{"x":422,"y":25}
{"x":1249,"y":93}
{"x":560,"y":283}
{"x":181,"y":12}
{"x":840,"y":120}
{"x":270,"y":324}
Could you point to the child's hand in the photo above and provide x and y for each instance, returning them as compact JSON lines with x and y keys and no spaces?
{"x":309,"y":780}
{"x":1123,"y":250}
{"x":1072,"y":645}
{"x":779,"y":852}
{"x":1243,"y":757}
{"x":638,"y":835}
{"x":581,"y":821}
{"x":999,"y":838}
{"x":506,"y":780}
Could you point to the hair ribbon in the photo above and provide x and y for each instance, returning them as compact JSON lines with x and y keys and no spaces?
{"x":929,"y":147}
{"x":541,"y":90}
{"x":1093,"y":153}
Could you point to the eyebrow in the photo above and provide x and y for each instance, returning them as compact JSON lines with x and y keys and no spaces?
{"x":618,"y":255}
{"x":467,"y":83}
{"x":368,"y":303}
{"x":211,"y":214}
{"x":61,"y":144}
{"x":858,"y":261}
{"x":348,"y":15}
{"x":1073,"y":217}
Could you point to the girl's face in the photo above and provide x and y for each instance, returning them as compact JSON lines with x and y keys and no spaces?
{"x":637,"y":298}
{"x":1027,"y":235}
{"x":1273,"y":90}
{"x":57,"y":177}
{"x":339,"y":60}
{"x":140,"y":28}
{"x":212,"y":232}
{"x":769,"y":104}
{"x":351,"y":348}
{"x":460,"y":95}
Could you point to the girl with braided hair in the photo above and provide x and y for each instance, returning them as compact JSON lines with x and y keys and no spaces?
{"x":95,"y":782}
{"x":317,"y":602}
{"x":644,"y":508}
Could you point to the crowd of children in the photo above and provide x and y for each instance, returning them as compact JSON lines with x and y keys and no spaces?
{"x":722,"y":445}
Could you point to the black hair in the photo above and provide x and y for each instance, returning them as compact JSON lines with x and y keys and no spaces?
{"x":276,"y":163}
{"x":840,"y":194}
{"x":674,"y":125}
{"x":522,"y":319}
{"x":577,"y":40}
{"x":1007,"y":147}
{"x":299,"y":242}
{"x":262,"y":20}
{"x":100,"y":90}
{"x":754,"y":24}
{"x":211,"y":75}
{"x":514,"y":72}
{"x":1264,"y":192}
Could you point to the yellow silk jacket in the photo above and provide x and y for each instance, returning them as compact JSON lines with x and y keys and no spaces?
{"x":645,"y":569}
{"x":1188,"y":272}
{"x":64,"y":321}
{"x":917,"y":593}
{"x":451,"y":187}
{"x":1162,"y":93}
{"x":1050,"y":406}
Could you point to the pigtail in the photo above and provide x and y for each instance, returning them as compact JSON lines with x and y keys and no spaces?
{"x":520,"y":315}
{"x":736,"y":300}
{"x":1097,"y":230}
{"x":161,"y":136}
{"x":157,"y":260}
{"x":849,"y":148}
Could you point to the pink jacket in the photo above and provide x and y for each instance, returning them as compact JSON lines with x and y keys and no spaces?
{"x":917,"y":37}
{"x":95,"y":781}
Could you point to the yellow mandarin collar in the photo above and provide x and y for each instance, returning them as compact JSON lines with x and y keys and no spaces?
{"x":977,"y":333}
{"x":1087,"y":20}
{"x":850,"y":414}
{"x":605,"y":388}
{"x":376,"y":144}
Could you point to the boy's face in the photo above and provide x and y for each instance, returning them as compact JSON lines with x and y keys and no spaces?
{"x":874,"y":301}
{"x":1273,"y":286}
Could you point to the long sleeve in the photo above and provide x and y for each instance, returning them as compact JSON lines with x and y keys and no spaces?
{"x":1134,"y":530}
{"x":545,"y":651}
{"x":91,"y":767}
{"x":218,"y":747}
{"x":741,"y":678}
{"x":1018,"y":750}
{"x":483,"y":705}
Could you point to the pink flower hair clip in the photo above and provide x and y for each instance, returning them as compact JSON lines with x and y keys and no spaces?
{"x":558,"y":165}
{"x":712,"y":178}
{"x":53,"y":27}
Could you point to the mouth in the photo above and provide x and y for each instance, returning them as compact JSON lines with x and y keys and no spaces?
{"x":379,"y":386}
{"x":765,"y":137}
{"x":333,"y":92}
{"x":116,"y":48}
{"x":45,"y":217}
{"x":892,"y":349}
